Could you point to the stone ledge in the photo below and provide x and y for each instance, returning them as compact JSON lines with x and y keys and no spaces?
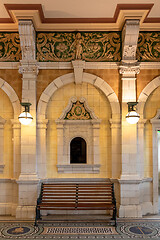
{"x":79,"y":168}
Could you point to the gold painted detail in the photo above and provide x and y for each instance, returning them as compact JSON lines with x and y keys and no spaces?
{"x":88,"y":46}
{"x":78,"y":112}
{"x":148,"y":48}
{"x":18,"y":230}
{"x":10,"y":50}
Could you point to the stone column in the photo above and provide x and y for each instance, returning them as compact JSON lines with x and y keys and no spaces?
{"x":141,"y":125}
{"x":28,"y":177}
{"x":96,"y":152}
{"x":16,"y":126}
{"x":116,"y":147}
{"x":41,"y":148}
{"x":130,"y":179}
{"x":155,"y":127}
{"x":2,"y":122}
{"x":61,"y":154}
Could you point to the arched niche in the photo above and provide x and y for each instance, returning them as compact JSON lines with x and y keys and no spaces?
{"x":44,"y":121}
{"x":12,"y":104}
{"x":78,"y":121}
{"x":78,"y":148}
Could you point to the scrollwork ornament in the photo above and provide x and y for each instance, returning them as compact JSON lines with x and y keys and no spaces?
{"x":148,"y":48}
{"x":10,"y":47}
{"x":88,"y":46}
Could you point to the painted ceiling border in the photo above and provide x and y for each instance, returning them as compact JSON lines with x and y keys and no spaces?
{"x":38,"y":7}
{"x":36,"y":13}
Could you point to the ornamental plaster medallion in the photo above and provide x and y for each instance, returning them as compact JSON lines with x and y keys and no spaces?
{"x":78,"y":111}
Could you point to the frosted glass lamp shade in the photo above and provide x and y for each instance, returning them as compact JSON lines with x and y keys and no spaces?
{"x":132,"y":117}
{"x":25,"y":118}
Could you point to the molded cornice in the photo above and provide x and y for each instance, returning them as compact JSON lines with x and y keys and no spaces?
{"x":36,"y":13}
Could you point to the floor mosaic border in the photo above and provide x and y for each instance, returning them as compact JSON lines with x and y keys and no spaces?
{"x":137,"y":230}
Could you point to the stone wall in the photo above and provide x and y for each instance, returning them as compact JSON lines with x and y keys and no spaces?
{"x":101,"y":107}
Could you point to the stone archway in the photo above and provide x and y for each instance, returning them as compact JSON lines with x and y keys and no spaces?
{"x":155,"y":125}
{"x":115,"y":121}
{"x":69,"y":78}
{"x":10,"y":206}
{"x":12,"y":96}
{"x":145,"y":94}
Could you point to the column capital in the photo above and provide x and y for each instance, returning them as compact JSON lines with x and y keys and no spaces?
{"x":42,"y":124}
{"x":2,"y":122}
{"x":29,"y":67}
{"x":28,"y":177}
{"x":115,"y":123}
{"x":141,"y":123}
{"x":15,"y":124}
{"x":129,"y":68}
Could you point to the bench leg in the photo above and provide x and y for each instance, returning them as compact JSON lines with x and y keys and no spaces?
{"x":114,"y":217}
{"x":38,"y":216}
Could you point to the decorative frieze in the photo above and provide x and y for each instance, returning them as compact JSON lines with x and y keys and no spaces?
{"x":148,"y":48}
{"x":10,"y":50}
{"x":88,"y":46}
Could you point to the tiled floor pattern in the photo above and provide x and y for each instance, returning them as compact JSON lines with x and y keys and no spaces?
{"x":133,"y":229}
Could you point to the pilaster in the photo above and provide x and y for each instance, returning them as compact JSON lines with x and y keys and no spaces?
{"x":41,"y":148}
{"x":28,"y":176}
{"x":140,"y":150}
{"x":115,"y":125}
{"x":130,"y":178}
{"x":16,"y":126}
{"x":2,"y":122}
{"x":155,"y":127}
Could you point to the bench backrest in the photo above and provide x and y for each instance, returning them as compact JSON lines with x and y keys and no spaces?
{"x":75,"y":195}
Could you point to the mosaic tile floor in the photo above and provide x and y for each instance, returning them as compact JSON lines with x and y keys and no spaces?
{"x":146,"y":229}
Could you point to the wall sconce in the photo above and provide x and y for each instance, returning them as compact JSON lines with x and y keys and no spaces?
{"x":25,"y":117}
{"x":132,"y":116}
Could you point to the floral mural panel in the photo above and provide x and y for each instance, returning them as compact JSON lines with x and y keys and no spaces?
{"x":148,"y":48}
{"x":88,"y":46}
{"x":10,"y":50}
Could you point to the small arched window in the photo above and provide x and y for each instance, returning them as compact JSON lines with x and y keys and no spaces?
{"x":78,"y":150}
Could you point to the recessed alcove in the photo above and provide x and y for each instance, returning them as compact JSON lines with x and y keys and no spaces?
{"x":78,"y":151}
{"x":78,"y":139}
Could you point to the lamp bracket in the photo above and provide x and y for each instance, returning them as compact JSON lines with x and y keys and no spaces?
{"x":26,"y":105}
{"x":131,"y":106}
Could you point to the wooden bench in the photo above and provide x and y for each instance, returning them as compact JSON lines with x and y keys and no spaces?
{"x":80,"y":196}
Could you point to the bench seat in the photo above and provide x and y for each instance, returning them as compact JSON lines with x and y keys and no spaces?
{"x":78,"y":196}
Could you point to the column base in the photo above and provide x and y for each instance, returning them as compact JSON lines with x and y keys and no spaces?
{"x":148,"y":208}
{"x":25,"y":212}
{"x":27,"y":185}
{"x":130,"y":211}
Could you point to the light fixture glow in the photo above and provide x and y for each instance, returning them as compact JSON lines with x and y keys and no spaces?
{"x":132,"y":116}
{"x":25,"y":117}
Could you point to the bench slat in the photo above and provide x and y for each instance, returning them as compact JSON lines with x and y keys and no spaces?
{"x":81,"y":196}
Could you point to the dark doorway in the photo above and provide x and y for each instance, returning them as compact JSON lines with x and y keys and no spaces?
{"x":78,"y":150}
